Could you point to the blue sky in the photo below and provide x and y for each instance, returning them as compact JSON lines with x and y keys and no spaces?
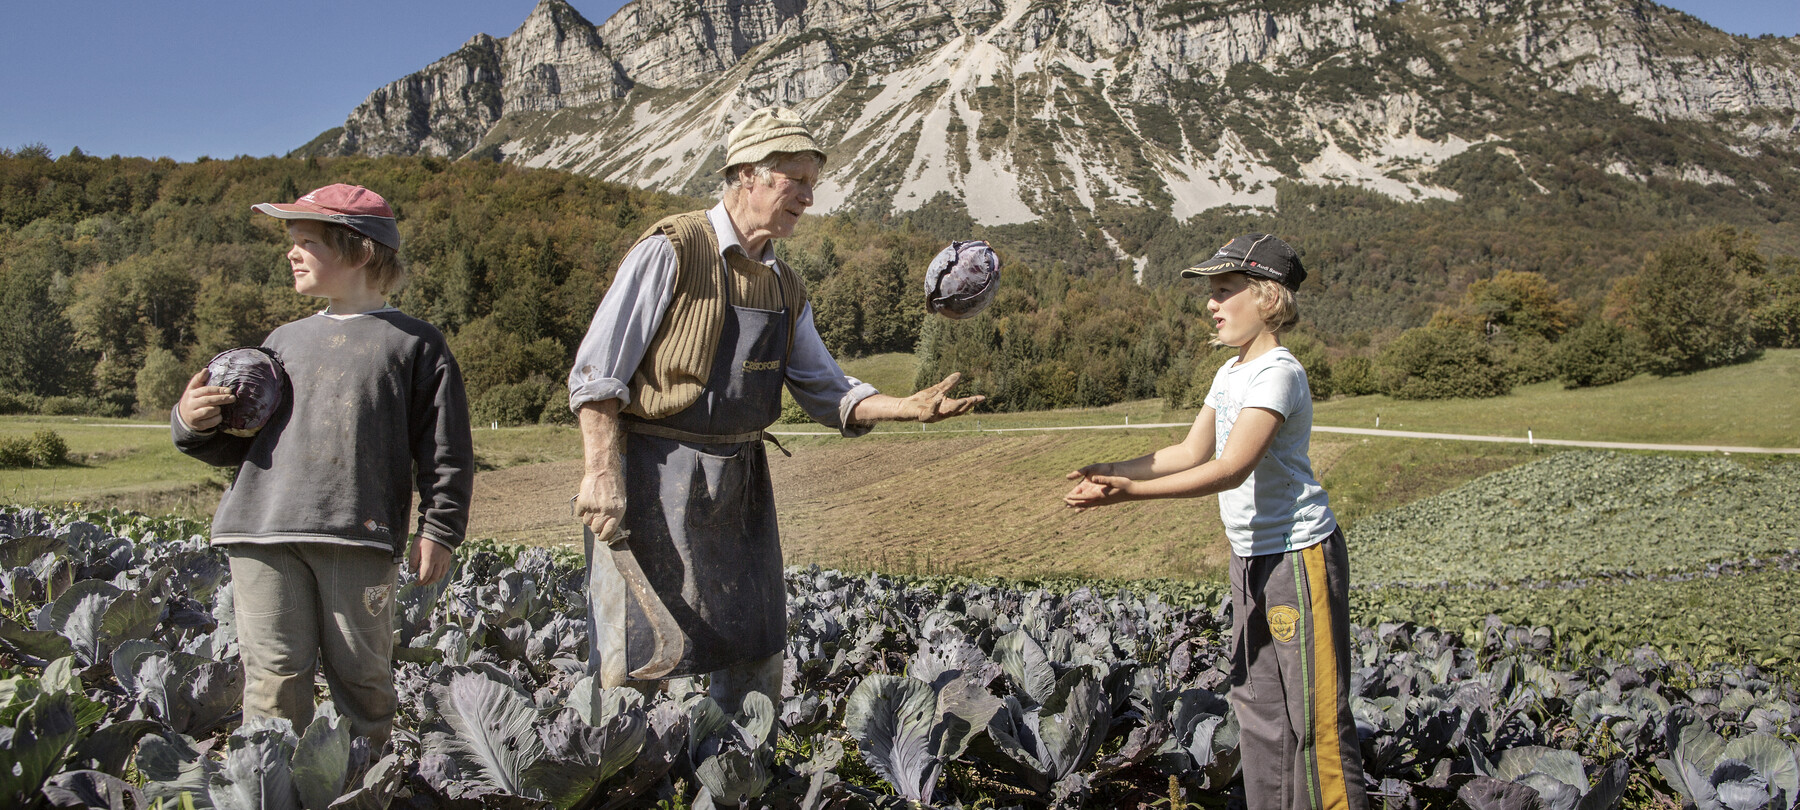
{"x":185,"y":78}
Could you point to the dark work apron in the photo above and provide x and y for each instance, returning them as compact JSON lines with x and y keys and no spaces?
{"x":707,"y":592}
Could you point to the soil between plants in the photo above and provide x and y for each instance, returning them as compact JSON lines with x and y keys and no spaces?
{"x":972,"y":505}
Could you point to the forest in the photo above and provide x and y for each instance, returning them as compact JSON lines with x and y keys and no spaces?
{"x":119,"y":277}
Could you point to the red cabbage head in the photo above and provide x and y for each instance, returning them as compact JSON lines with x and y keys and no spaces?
{"x":256,"y":378}
{"x":962,"y":279}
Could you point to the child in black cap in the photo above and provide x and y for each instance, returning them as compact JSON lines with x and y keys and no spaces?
{"x":1290,"y":681}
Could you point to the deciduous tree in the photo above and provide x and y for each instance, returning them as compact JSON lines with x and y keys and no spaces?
{"x":1690,"y":308}
{"x":1440,"y":362}
{"x":1597,"y":352}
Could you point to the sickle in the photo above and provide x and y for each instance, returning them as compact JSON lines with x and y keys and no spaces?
{"x":668,"y":635}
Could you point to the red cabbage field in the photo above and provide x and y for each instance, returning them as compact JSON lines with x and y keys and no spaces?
{"x":120,"y":687}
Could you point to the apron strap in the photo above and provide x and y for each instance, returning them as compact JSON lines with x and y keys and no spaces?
{"x":663,"y":432}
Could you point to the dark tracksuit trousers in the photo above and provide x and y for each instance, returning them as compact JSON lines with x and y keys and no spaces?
{"x":1290,"y":679}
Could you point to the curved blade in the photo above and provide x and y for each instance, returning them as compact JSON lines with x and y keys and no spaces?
{"x":668,"y":635}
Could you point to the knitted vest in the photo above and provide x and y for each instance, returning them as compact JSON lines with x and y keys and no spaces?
{"x":679,"y":359}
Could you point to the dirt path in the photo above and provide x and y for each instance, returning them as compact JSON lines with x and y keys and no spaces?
{"x":1398,"y":434}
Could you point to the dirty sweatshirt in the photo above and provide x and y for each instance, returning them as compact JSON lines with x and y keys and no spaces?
{"x":375,"y":407}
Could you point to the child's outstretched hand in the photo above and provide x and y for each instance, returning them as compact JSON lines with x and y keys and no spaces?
{"x":1096,"y":486}
{"x":199,"y":405}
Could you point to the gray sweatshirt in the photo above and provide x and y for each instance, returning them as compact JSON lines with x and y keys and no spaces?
{"x":376,"y":406}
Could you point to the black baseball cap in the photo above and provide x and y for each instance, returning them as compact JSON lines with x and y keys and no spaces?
{"x":1256,"y":254}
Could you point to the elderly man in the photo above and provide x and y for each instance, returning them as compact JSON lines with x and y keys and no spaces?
{"x":679,"y":375}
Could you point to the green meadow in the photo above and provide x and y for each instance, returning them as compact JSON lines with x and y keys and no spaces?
{"x":1751,"y":405}
{"x":879,"y":501}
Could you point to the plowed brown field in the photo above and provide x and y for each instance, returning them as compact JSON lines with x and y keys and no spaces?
{"x":977,"y":504}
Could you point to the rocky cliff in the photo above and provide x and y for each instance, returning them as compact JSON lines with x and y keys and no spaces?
{"x":1026,"y":109}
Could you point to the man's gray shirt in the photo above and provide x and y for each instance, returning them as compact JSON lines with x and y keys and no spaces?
{"x":376,"y":407}
{"x":633,"y":308}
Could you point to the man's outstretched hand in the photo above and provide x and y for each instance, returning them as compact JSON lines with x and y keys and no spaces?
{"x":931,"y":404}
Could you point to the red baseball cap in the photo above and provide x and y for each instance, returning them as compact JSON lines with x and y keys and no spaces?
{"x":353,"y":207}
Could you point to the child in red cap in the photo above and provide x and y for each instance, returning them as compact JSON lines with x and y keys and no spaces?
{"x":315,"y":520}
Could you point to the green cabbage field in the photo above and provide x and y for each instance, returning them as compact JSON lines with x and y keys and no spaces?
{"x":1695,"y":557}
{"x":1583,"y":514}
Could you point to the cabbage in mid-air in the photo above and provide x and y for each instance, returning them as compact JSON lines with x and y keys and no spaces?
{"x":962,"y":279}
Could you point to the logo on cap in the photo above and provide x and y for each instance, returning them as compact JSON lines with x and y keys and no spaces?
{"x":1258,"y":254}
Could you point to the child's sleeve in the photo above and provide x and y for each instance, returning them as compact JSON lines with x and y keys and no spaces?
{"x":1277,"y":388}
{"x":442,"y":449}
{"x":215,"y":447}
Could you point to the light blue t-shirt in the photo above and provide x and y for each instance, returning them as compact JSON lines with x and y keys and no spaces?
{"x":1281,"y":506}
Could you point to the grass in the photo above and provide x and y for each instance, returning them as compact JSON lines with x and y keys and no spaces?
{"x":501,"y":448}
{"x":891,"y":373}
{"x":1139,"y":412}
{"x":1745,"y":405}
{"x":1751,"y":405}
{"x":971,"y":496}
{"x":114,"y":463}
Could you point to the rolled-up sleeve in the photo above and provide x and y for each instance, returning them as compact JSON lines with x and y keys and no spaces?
{"x":624,"y":323}
{"x":823,"y":390}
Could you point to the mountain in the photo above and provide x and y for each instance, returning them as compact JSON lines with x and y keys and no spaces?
{"x":1020,"y":109}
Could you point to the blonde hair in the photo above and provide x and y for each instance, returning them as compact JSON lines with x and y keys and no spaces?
{"x":381,"y":264}
{"x":1275,"y":304}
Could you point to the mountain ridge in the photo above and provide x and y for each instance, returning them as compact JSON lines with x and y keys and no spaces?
{"x":1024,"y":110}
